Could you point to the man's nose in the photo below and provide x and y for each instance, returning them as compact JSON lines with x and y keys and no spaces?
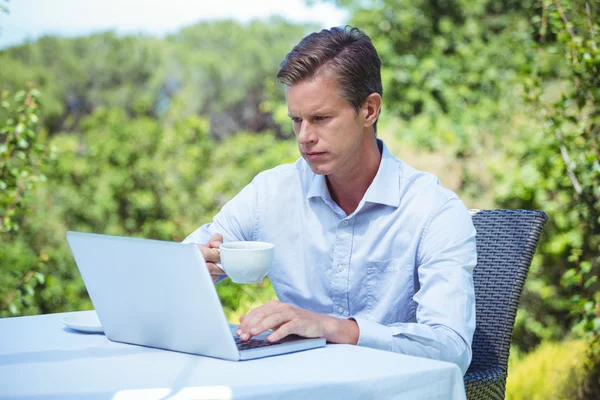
{"x":306,"y":133}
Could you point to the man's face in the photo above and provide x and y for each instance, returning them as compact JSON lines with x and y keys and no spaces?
{"x":331,"y":135}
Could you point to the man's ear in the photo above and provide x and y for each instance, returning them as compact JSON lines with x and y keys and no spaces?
{"x":372,"y":108}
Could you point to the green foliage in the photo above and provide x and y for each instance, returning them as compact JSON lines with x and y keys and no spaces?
{"x":552,"y":371}
{"x":222,"y":70}
{"x":130,"y":176}
{"x":558,"y":168}
{"x":22,"y":155}
{"x":23,"y":276}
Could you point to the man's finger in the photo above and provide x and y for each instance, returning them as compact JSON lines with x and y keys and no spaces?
{"x":250,"y":319}
{"x":211,"y":255}
{"x":272,"y":321}
{"x":215,"y":240}
{"x":252,"y":323}
{"x":283,"y":331}
{"x":214,"y":269}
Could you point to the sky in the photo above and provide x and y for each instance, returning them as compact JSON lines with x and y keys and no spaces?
{"x":30,"y":19}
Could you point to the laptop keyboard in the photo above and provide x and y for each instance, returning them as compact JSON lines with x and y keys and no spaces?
{"x":252,"y":343}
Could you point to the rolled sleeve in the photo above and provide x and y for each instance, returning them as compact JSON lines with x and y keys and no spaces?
{"x":374,"y":335}
{"x":439,"y":343}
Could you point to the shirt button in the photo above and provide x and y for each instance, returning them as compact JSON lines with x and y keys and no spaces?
{"x":340,"y":310}
{"x":345,"y":223}
{"x":340,"y":267}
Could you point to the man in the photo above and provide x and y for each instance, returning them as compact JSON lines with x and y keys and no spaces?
{"x":368,"y":250}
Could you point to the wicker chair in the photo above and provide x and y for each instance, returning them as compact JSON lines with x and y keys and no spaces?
{"x":506,"y":242}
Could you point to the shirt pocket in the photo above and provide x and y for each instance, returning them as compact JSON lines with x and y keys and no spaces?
{"x":390,"y":290}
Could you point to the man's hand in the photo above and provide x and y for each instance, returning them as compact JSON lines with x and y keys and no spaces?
{"x":285,"y":320}
{"x":211,"y":254}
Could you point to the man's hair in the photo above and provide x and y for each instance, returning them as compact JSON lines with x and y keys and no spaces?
{"x":345,"y":51}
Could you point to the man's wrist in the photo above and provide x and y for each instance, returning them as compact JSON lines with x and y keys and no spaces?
{"x":342,"y":331}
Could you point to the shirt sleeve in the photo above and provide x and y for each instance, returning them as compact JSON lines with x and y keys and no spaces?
{"x":445,"y":314}
{"x":236,"y":221}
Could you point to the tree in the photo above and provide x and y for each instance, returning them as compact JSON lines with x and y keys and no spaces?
{"x":563,"y":160}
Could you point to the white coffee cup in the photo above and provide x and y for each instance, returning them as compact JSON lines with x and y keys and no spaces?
{"x":246,"y":262}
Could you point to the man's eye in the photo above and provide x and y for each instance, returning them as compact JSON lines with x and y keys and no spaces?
{"x":296,"y":120}
{"x":320,"y":118}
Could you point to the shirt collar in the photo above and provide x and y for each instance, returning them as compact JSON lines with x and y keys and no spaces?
{"x":385,"y":188}
{"x":318,"y":188}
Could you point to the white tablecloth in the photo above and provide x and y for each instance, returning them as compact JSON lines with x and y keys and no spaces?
{"x":41,"y":358}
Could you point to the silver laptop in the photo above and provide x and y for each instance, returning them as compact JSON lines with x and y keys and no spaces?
{"x":160,"y":294}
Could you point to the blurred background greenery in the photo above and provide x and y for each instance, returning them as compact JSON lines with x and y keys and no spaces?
{"x":148,"y":137}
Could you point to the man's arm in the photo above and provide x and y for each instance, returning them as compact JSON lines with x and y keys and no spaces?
{"x":236,"y":221}
{"x":445,"y":316}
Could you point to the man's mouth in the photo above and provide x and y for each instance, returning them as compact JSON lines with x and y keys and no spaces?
{"x":314,"y":155}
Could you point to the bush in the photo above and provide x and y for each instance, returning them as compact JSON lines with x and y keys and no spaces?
{"x":555,"y":370}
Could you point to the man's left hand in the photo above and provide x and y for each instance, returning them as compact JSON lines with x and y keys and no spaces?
{"x":285,"y":320}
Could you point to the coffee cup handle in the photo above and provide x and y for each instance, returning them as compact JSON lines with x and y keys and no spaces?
{"x":218,"y":264}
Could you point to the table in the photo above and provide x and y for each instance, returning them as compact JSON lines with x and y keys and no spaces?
{"x":42,"y":359}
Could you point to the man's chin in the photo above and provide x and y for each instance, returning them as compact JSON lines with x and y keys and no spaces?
{"x":318,"y":169}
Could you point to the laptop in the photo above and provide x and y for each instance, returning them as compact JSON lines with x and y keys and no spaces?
{"x":160,"y":294}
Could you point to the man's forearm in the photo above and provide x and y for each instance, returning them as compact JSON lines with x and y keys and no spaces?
{"x":343,"y":331}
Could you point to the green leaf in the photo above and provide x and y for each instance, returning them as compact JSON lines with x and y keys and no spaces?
{"x":585,"y":266}
{"x":40,"y":277}
{"x":23,"y":143}
{"x":590,"y":282}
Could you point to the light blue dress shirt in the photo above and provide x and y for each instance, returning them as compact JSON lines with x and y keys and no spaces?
{"x":401,"y":264}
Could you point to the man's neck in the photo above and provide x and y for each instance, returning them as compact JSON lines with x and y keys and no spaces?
{"x":349,"y":189}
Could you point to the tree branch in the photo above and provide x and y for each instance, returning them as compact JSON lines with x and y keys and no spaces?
{"x":565,"y":20}
{"x":10,"y":297}
{"x":570,"y":30}
{"x":567,"y":160}
{"x":592,"y":33}
{"x":544,"y":26}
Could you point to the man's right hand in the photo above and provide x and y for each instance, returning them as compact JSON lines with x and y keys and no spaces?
{"x":212,"y":256}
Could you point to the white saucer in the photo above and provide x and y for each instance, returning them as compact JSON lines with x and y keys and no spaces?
{"x":86,"y":321}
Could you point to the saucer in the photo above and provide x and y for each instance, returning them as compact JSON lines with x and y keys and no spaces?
{"x":86,"y":321}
